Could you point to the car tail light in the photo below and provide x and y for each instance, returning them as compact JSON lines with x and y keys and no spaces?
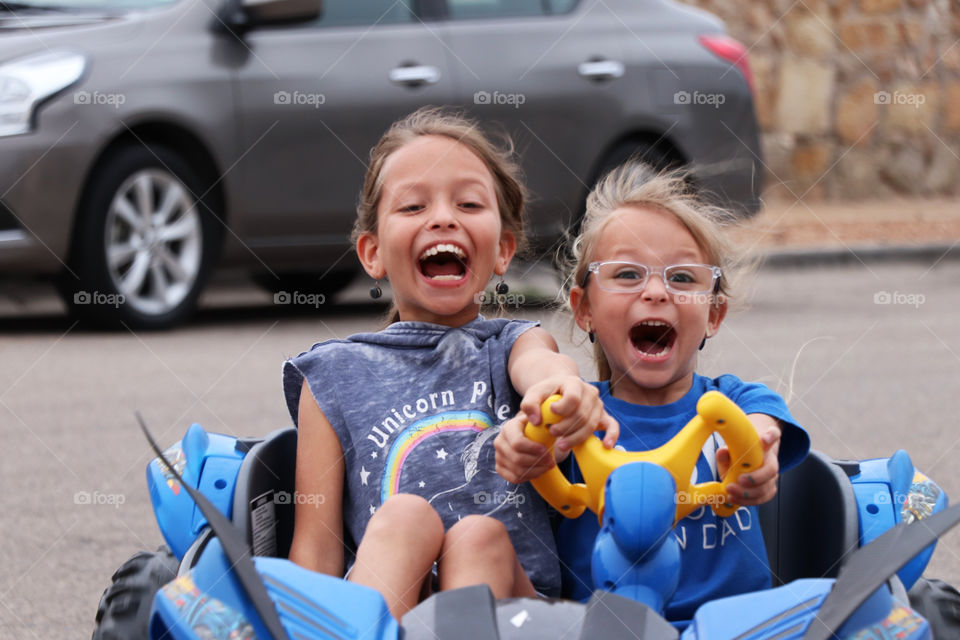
{"x":725,"y":47}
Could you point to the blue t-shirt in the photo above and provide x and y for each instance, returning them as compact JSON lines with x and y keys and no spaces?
{"x":416,"y":408}
{"x":720,"y":556}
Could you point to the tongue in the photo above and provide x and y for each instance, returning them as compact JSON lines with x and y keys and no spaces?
{"x":650,"y":345}
{"x":651,"y":341}
{"x":442,"y":267}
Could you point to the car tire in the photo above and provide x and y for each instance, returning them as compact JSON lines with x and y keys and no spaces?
{"x":657,"y":158}
{"x":145,"y":238}
{"x":124,"y":610}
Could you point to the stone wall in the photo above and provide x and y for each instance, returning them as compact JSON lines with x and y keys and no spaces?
{"x":856,"y":98}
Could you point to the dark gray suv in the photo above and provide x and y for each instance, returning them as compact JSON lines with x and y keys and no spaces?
{"x":144,"y":141}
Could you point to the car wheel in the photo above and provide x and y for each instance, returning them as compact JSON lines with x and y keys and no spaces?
{"x":124,"y":610}
{"x":656,"y":157}
{"x":144,"y":241}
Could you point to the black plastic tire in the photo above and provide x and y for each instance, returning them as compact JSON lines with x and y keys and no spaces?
{"x":939,"y":603}
{"x":88,"y":288}
{"x":124,"y":610}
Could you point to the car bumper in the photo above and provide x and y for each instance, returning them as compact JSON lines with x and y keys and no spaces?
{"x":41,"y":177}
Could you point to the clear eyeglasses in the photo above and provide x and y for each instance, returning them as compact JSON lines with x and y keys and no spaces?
{"x":631,"y":277}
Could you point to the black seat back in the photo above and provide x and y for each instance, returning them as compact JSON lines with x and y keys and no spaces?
{"x":812,"y":525}
{"x":263,"y":501}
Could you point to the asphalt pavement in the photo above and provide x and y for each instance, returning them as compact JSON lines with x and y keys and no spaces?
{"x":866,"y":352}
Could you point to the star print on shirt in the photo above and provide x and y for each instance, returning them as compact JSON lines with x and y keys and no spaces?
{"x":442,"y":454}
{"x":373,"y":454}
{"x":364,"y":474}
{"x":422,"y":484}
{"x":372,"y":509}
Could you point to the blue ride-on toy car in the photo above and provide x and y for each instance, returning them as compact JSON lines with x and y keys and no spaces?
{"x":842,"y":552}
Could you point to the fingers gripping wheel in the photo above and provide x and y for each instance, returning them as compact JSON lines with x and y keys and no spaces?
{"x":715,"y":413}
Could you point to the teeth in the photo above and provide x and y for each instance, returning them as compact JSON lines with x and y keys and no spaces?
{"x":654,"y":323}
{"x":443,"y":248}
{"x":450,"y":277}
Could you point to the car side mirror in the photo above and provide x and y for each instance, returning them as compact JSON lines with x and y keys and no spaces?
{"x":239,"y":16}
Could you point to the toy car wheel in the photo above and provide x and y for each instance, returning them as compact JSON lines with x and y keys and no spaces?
{"x":124,"y":611}
{"x":144,"y":241}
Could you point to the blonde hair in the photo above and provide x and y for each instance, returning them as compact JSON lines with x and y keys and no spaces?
{"x":637,"y":185}
{"x":437,"y":121}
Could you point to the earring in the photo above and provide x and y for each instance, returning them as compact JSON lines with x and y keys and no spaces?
{"x":502,"y":288}
{"x":591,"y":334}
{"x":703,"y":343}
{"x":376,"y":291}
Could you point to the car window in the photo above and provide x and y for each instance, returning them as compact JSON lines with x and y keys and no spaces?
{"x":366,"y":12}
{"x":465,"y":9}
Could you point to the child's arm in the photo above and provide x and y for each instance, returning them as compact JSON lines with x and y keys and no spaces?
{"x":758,"y":486}
{"x":318,"y":529}
{"x":538,"y":371}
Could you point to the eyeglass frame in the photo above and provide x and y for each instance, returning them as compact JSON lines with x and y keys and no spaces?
{"x":594,"y":267}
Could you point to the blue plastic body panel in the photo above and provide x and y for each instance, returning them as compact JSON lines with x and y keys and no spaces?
{"x":890,"y":491}
{"x":786,"y":612}
{"x":209,"y":603}
{"x":208,"y":462}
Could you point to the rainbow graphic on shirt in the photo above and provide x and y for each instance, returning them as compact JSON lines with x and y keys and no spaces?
{"x":417,"y":433}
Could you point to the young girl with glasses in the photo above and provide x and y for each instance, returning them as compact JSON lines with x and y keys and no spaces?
{"x":652,"y":282}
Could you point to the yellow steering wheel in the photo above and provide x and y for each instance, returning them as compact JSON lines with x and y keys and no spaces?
{"x":715,"y":413}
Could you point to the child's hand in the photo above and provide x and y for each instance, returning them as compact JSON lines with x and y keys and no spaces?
{"x":580,"y":408}
{"x":759,"y":486}
{"x":519,"y":458}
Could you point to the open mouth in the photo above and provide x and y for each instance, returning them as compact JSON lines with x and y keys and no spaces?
{"x":653,"y":338}
{"x":443,"y":262}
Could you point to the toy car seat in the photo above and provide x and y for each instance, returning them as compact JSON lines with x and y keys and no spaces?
{"x":264,"y":498}
{"x":811,"y":526}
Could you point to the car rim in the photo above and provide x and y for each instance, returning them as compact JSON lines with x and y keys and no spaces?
{"x":153,"y":241}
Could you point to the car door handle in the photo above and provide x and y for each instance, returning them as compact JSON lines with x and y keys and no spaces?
{"x":601,"y":69}
{"x":415,"y":76}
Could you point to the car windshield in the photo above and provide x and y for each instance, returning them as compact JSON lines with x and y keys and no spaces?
{"x":80,"y":5}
